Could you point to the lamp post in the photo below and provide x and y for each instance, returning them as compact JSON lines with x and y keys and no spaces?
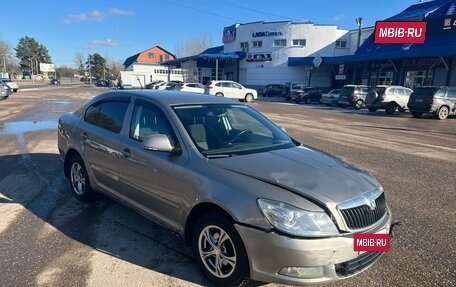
{"x":31,"y":62}
{"x":359,"y":21}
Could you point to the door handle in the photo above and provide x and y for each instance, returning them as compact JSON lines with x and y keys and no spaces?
{"x":126,"y":152}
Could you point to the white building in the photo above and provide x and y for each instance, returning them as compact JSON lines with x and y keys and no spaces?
{"x":140,"y":74}
{"x":269,"y":45}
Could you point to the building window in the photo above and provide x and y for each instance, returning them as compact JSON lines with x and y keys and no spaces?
{"x":161,"y":58}
{"x":166,"y":57}
{"x":245,"y":46}
{"x":257,"y":44}
{"x":299,"y":42}
{"x":150,"y":56}
{"x":280,"y":42}
{"x":341,"y":43}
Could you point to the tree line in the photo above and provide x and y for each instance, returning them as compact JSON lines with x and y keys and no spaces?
{"x":23,"y":61}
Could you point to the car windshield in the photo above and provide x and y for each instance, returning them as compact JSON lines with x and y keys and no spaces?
{"x":223,"y":130}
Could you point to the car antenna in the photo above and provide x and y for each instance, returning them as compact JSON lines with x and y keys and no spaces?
{"x":137,"y":77}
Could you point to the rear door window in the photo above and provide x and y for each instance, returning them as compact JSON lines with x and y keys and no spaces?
{"x":108,"y":115}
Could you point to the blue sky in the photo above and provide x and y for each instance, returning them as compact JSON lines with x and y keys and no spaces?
{"x":118,"y":29}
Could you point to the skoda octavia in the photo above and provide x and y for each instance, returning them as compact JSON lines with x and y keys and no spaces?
{"x":252,"y":202}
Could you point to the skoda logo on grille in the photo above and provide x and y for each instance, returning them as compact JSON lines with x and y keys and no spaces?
{"x":372,"y":202}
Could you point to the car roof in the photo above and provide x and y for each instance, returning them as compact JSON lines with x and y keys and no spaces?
{"x":167,"y":98}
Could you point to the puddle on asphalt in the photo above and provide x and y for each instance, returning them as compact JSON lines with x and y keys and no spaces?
{"x":16,"y":128}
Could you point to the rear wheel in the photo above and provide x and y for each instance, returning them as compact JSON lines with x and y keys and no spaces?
{"x":219,"y":95}
{"x":79,"y":180}
{"x":417,"y":114}
{"x":220,"y":251}
{"x":391,"y":108}
{"x":248,"y":98}
{"x":308,"y":100}
{"x":443,"y":113}
{"x":358,"y":104}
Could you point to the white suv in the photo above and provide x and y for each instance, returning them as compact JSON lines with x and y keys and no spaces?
{"x":390,"y":98}
{"x":232,"y":90}
{"x":10,"y":83}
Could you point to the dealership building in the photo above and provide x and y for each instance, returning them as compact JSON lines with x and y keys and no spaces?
{"x":260,"y":53}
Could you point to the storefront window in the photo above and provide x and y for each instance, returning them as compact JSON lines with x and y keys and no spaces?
{"x":382,"y":78}
{"x":416,"y":79}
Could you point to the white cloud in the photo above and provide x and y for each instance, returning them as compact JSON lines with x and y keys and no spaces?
{"x":116,"y":11}
{"x":74,"y":19}
{"x":338,"y":18}
{"x":95,"y":16}
{"x":101,"y":43}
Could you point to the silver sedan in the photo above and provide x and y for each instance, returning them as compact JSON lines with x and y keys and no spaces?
{"x":250,"y":200}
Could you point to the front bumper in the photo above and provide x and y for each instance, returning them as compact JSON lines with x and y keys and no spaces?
{"x":328,"y":259}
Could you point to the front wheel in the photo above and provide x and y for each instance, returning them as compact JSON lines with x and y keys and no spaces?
{"x":443,"y":113}
{"x":308,"y":100}
{"x":248,"y":98}
{"x":358,"y":104}
{"x":219,"y":95}
{"x":220,"y":251}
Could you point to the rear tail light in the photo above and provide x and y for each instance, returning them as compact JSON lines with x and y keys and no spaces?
{"x":209,"y":88}
{"x":353,"y":95}
{"x":383,"y":96}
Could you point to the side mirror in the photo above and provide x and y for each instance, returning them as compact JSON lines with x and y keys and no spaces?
{"x":159,"y":142}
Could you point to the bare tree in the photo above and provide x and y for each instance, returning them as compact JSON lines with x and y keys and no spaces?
{"x":8,"y":62}
{"x":194,"y":45}
{"x":79,"y":60}
{"x":113,"y":67}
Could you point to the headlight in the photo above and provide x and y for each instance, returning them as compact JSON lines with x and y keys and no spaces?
{"x":296,"y":221}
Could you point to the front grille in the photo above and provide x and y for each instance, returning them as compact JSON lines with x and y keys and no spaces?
{"x":362,"y":216}
{"x":358,"y":264}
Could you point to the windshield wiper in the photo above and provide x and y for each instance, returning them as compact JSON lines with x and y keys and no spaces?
{"x":220,"y":155}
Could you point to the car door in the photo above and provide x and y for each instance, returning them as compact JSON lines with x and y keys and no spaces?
{"x":238,"y":90}
{"x":154,"y":182}
{"x":100,"y":132}
{"x":451,"y":99}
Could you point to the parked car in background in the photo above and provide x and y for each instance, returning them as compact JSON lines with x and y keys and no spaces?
{"x":167,"y":86}
{"x":353,"y":96}
{"x":54,"y":81}
{"x":273,"y":90}
{"x":232,"y":90}
{"x":389,"y":98}
{"x":330,"y":98}
{"x":438,"y":101}
{"x":5,"y":91}
{"x":308,"y":95}
{"x":194,"y":88}
{"x":10,"y":83}
{"x":251,"y":201}
{"x":151,"y":85}
{"x":293,"y":87}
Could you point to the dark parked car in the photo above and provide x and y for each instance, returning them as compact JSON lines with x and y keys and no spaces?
{"x":438,"y":101}
{"x":272,"y":90}
{"x":151,"y":85}
{"x":308,"y":95}
{"x":55,"y":81}
{"x":353,"y":96}
{"x":250,"y":200}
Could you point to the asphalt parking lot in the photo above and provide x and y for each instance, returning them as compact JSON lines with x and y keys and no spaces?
{"x":47,"y":238}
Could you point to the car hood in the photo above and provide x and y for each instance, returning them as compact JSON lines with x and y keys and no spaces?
{"x":310,"y":173}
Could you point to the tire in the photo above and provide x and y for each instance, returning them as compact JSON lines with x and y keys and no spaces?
{"x":297,"y":100}
{"x":219,"y":95}
{"x":233,"y":267}
{"x":372,"y":110}
{"x":248,"y":98}
{"x":79,"y":180}
{"x":358,"y":104}
{"x":308,"y":100}
{"x":416,"y":114}
{"x":443,"y":113}
{"x":391,"y":108}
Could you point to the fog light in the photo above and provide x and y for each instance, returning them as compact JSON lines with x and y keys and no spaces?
{"x":303,"y":272}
